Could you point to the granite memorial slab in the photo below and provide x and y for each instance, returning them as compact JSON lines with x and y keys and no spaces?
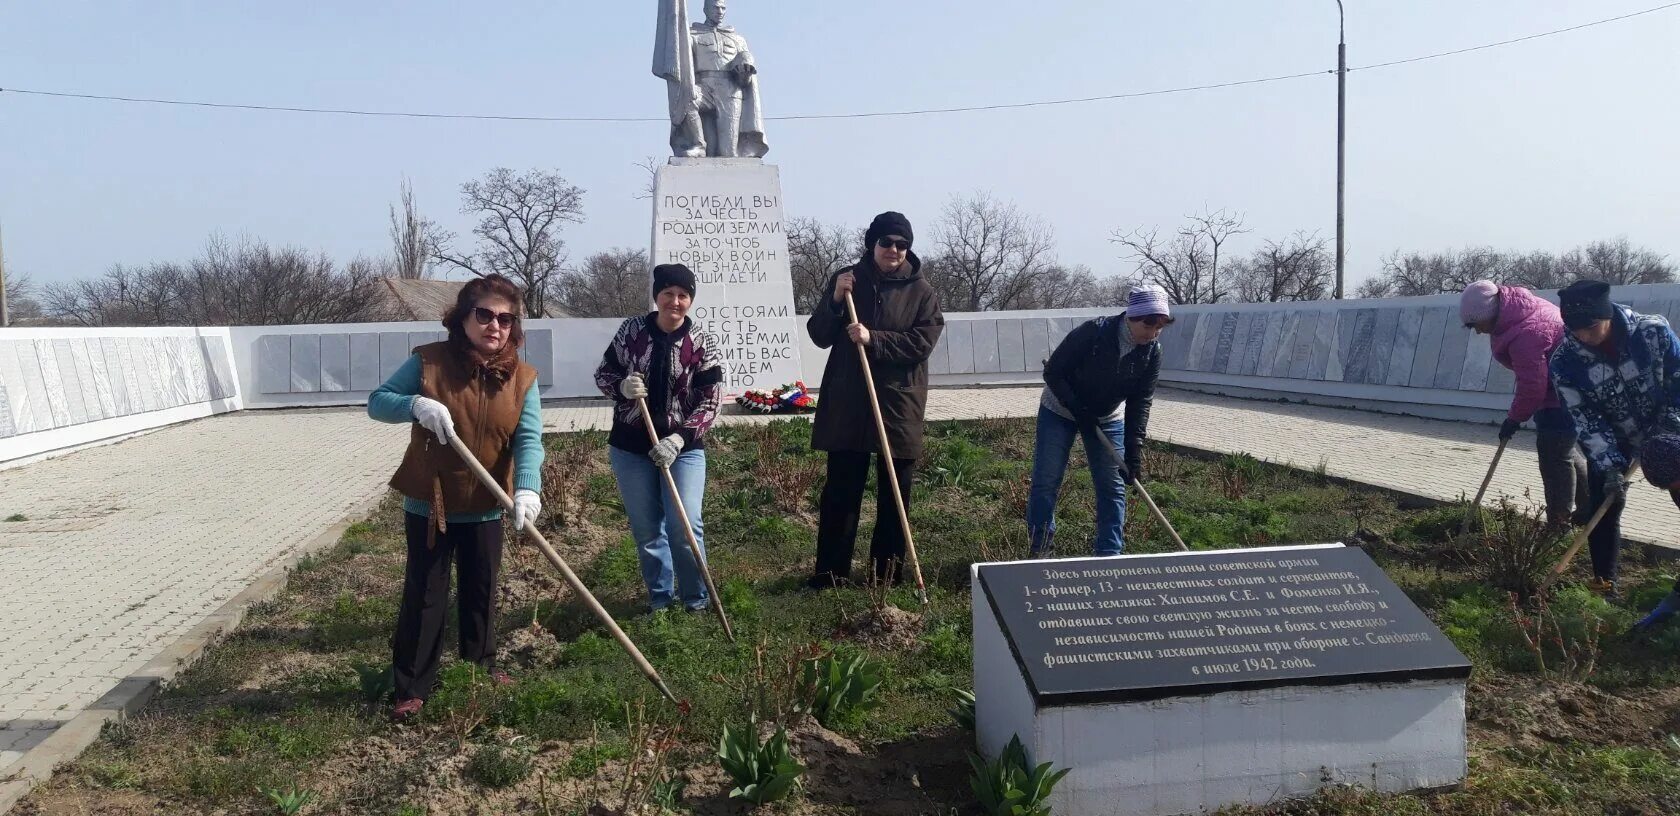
{"x":1301,"y":359}
{"x":1222,"y":346}
{"x":1011,"y":345}
{"x":1185,"y":682}
{"x":1478,"y":355}
{"x":112,"y":352}
{"x":335,"y":362}
{"x":1406,"y":330}
{"x":364,"y":361}
{"x":1262,"y":342}
{"x":1357,"y":364}
{"x":1324,"y":343}
{"x":1428,"y":351}
{"x":1455,"y":345}
{"x":1382,"y":345}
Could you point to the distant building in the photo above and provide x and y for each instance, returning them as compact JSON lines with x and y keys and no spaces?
{"x":425,"y":300}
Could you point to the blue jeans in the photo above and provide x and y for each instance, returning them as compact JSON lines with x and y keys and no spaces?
{"x":1050,"y":460}
{"x":661,"y":546}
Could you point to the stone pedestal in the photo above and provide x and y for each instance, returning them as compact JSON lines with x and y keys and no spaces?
{"x":1178,"y":684}
{"x":723,"y":219}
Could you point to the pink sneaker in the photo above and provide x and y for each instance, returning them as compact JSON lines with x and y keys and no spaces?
{"x":407,"y":709}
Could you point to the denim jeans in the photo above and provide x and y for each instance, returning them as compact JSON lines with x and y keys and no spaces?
{"x":1050,"y":460}
{"x":661,"y":546}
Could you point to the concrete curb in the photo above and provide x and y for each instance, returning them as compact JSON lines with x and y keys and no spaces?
{"x":132,"y":693}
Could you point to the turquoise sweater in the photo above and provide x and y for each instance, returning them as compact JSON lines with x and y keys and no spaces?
{"x":393,"y":402}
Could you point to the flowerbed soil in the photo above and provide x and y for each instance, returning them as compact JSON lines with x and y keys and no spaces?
{"x":293,"y":703}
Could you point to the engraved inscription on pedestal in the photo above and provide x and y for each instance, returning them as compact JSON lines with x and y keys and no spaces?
{"x":1151,"y":627}
{"x":723,"y":219}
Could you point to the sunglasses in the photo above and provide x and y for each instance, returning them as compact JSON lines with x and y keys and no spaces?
{"x":484,"y":316}
{"x":1154,"y":321}
{"x":888,"y":243}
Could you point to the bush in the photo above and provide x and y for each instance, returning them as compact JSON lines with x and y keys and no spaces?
{"x":1008,"y":787}
{"x":761,"y":772}
{"x":499,"y":766}
{"x":376,"y":681}
{"x":1515,"y":548}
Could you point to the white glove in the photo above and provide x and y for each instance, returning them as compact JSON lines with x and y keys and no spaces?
{"x":434,"y":417}
{"x":633,"y":387}
{"x":526,"y":507}
{"x":665,"y":453}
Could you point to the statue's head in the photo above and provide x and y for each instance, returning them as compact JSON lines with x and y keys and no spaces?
{"x":715,"y":10}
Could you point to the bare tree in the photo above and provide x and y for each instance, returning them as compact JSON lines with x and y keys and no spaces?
{"x":1060,"y":287}
{"x":248,"y":283}
{"x":989,"y":253}
{"x":1617,"y":262}
{"x":1298,"y":268}
{"x":651,"y":166}
{"x":815,"y":251}
{"x":415,"y":239}
{"x":1187,"y":263}
{"x":521,"y":217}
{"x":22,"y":296}
{"x":614,"y":283}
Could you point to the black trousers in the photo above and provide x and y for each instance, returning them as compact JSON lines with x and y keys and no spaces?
{"x":418,"y":645}
{"x":840,"y":506}
{"x":1605,"y":541}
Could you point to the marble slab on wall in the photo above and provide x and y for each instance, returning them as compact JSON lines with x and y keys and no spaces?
{"x":66,"y":381}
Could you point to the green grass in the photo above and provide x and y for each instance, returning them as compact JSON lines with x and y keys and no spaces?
{"x":301,"y":686}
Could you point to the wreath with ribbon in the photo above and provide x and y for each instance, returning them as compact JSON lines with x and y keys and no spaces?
{"x":789,"y":399}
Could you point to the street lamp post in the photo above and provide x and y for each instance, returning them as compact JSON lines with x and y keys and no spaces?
{"x":1341,"y":135}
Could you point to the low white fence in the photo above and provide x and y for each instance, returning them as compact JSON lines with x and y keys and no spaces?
{"x":61,"y":388}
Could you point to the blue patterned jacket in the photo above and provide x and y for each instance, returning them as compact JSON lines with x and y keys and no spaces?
{"x":1617,"y":403}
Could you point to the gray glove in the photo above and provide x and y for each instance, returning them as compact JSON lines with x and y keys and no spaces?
{"x":434,"y":417}
{"x":665,"y":453}
{"x":633,"y":387}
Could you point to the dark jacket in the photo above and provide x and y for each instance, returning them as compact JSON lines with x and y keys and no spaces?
{"x":904,"y":320}
{"x":684,"y":377}
{"x":1091,"y":379}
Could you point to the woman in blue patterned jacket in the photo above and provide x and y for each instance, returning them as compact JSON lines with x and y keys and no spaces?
{"x":1618,"y":372}
{"x":664,"y":358}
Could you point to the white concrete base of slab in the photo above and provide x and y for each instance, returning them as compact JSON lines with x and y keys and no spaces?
{"x":1192,"y":754}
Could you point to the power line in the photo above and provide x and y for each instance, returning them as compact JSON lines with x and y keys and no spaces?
{"x":821,"y":116}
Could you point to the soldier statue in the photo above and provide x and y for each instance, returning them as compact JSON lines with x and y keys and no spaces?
{"x":712,"y":84}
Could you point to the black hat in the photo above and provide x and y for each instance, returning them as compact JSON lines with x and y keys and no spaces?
{"x":1584,"y":303}
{"x":888,"y":223}
{"x":666,"y":276}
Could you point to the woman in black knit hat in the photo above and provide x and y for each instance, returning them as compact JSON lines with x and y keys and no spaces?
{"x":899,"y":324}
{"x":664,"y":358}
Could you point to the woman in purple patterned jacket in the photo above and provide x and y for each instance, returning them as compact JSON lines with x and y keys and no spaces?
{"x":664,"y":358}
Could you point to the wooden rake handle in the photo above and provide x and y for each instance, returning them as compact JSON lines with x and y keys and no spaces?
{"x":572,"y":580}
{"x":688,"y":527}
{"x":1581,"y":537}
{"x":887,"y":461}
{"x":1476,"y":506}
{"x":1148,"y":501}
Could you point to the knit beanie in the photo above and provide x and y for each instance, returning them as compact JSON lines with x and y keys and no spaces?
{"x":888,"y":223}
{"x":1659,"y":457}
{"x":666,"y":276}
{"x":1584,"y":303}
{"x":1145,"y":300}
{"x":1479,"y":302}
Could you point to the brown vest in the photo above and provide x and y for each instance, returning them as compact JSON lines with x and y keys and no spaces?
{"x":485,"y":415}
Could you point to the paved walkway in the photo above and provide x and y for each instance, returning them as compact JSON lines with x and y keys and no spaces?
{"x":132,"y":549}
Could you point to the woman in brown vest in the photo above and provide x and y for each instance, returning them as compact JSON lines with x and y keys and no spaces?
{"x":472,"y":386}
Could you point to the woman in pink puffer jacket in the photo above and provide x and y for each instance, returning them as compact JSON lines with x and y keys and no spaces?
{"x":1525,"y":329}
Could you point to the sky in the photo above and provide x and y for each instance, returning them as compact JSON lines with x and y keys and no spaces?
{"x":1541,"y":145}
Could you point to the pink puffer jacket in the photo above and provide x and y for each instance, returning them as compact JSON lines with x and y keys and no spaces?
{"x":1523,"y":338}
